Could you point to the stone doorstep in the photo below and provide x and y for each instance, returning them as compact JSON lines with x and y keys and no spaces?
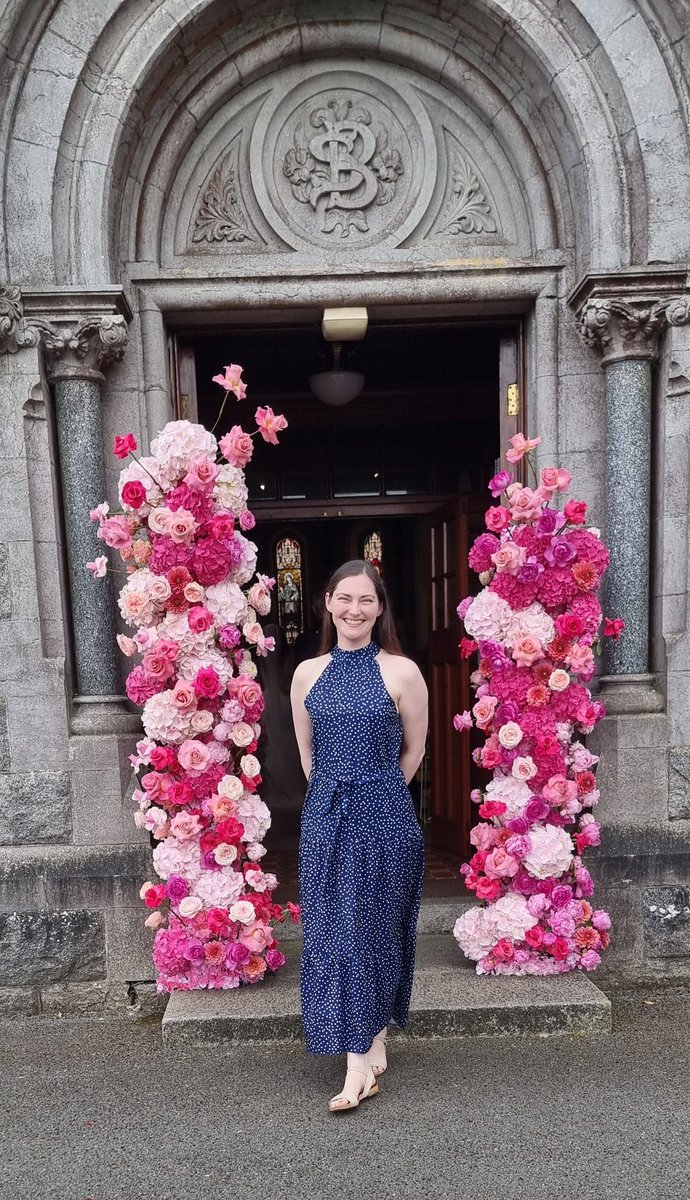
{"x":448,"y":1000}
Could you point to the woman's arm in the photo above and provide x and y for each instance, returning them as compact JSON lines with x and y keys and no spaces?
{"x":413,"y":706}
{"x":301,"y":682}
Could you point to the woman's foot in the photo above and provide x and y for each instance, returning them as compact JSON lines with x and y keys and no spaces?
{"x":376,"y":1056}
{"x":360,"y":1083}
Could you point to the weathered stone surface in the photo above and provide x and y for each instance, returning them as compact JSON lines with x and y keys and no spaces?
{"x":679,"y":783}
{"x":5,"y":762}
{"x":666,"y":921}
{"x":19,"y":1002}
{"x":5,"y":586}
{"x":45,"y":947}
{"x":34,"y":807}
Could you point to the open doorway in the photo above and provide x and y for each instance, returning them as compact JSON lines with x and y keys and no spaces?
{"x":398,"y":476}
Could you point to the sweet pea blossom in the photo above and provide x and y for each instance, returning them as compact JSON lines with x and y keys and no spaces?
{"x":462,"y":721}
{"x":99,"y":566}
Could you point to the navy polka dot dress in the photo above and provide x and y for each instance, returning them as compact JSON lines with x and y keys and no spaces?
{"x":361,"y":861}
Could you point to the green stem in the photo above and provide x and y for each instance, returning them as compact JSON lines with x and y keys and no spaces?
{"x":222,"y":409}
{"x":153,"y":477}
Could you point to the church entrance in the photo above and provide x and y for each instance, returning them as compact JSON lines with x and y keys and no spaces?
{"x":397,"y":476}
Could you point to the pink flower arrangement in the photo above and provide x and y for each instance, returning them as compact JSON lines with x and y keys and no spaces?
{"x":193,"y":596}
{"x":535,"y":625}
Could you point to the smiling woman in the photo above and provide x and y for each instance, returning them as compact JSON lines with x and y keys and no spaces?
{"x":361,"y":712}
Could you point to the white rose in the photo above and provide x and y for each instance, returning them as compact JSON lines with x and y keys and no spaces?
{"x":230,"y":787}
{"x":510,"y":735}
{"x":189,"y":906}
{"x":242,"y":911}
{"x":250,"y":766}
{"x":225,"y":854}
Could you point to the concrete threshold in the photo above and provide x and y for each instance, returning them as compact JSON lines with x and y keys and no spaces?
{"x":448,"y":1000}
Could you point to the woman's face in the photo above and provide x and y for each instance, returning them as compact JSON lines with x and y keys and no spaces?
{"x":354,"y":607}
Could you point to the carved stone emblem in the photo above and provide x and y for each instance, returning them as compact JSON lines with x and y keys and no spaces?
{"x":220,"y":217}
{"x":345,"y":167}
{"x":467,"y":209}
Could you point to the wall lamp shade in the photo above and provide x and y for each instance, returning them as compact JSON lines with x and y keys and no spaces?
{"x":336,"y":387}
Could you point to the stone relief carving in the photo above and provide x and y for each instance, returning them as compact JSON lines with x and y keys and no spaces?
{"x":344,"y":168}
{"x":678,"y":383}
{"x":627,"y":328}
{"x":221,"y":216}
{"x":467,"y":209}
{"x":15,"y":331}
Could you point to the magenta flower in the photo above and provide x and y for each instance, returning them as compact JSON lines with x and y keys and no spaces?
{"x":500,"y":482}
{"x":122,"y":446}
{"x":462,"y":721}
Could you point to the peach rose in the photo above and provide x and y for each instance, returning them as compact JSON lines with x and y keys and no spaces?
{"x":509,"y":558}
{"x":127,"y":644}
{"x":193,"y":756}
{"x":484,"y":709}
{"x":527,"y":650}
{"x":154,"y":920}
{"x":242,"y":734}
{"x":260,"y":598}
{"x":222,"y":808}
{"x":183,"y":695}
{"x":193,"y":592}
{"x":253,"y":632}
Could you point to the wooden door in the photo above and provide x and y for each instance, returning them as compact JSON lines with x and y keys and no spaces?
{"x":511,"y":395}
{"x":182,"y":369}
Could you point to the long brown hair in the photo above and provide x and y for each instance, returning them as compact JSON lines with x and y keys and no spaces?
{"x":384,"y":628}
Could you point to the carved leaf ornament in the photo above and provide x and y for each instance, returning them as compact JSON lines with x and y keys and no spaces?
{"x":220,"y":217}
{"x":470,"y":211}
{"x":344,"y":168}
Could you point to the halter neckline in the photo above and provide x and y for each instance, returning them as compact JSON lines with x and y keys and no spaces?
{"x":371,"y":649}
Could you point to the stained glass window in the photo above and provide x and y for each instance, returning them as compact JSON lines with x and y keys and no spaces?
{"x":373,"y":550}
{"x":290,"y":587}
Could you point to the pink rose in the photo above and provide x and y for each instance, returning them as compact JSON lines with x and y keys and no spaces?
{"x":193,"y":592}
{"x":157,"y":665}
{"x":201,"y":475}
{"x":483,"y":836}
{"x":116,"y":532}
{"x":509,"y":558}
{"x":575,"y":512}
{"x":559,"y":790}
{"x":183,"y":695}
{"x":527,"y":650}
{"x":497,"y":518}
{"x":260,"y":598}
{"x":483,"y":710}
{"x":558,"y":680}
{"x":274,"y":959}
{"x":499,"y":483}
{"x":525,"y":504}
{"x":199,"y":619}
{"x":555,"y":479}
{"x":247,"y":520}
{"x":523,"y":769}
{"x":581,"y":660}
{"x":122,"y":446}
{"x":500,"y":865}
{"x":232,"y":381}
{"x":221,"y":526}
{"x":206,"y":683}
{"x":99,"y":567}
{"x":181,"y":526}
{"x":134,"y":494}
{"x":462,"y":721}
{"x":193,"y":756}
{"x":237,"y":447}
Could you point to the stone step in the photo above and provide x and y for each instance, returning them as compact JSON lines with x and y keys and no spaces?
{"x":448,"y":1000}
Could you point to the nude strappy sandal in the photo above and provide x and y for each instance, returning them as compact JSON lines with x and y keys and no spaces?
{"x":354,"y":1099}
{"x":378,"y":1059}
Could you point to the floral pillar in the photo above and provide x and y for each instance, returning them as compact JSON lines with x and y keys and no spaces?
{"x":626,"y":331}
{"x":77,"y":350}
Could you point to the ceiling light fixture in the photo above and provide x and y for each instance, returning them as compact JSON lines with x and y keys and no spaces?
{"x":338,"y":386}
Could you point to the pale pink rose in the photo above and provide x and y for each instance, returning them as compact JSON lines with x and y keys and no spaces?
{"x":582,"y":759}
{"x":483,"y":710}
{"x":559,"y":790}
{"x":555,"y":479}
{"x":220,"y":808}
{"x":520,"y":446}
{"x":193,"y":592}
{"x":509,"y":558}
{"x":523,"y":769}
{"x":99,"y":566}
{"x":242,"y":911}
{"x":145,"y":639}
{"x":242,"y":734}
{"x":581,"y":659}
{"x":201,"y":475}
{"x":483,"y":836}
{"x":510,"y":735}
{"x":145,"y":887}
{"x":559,"y":680}
{"x":500,"y":865}
{"x":159,"y":519}
{"x":260,"y":598}
{"x":159,"y":589}
{"x":127,"y":645}
{"x":201,"y":721}
{"x":185,"y":826}
{"x":134,"y":606}
{"x":255,"y":851}
{"x":525,"y":505}
{"x":193,"y":756}
{"x":181,"y":526}
{"x":116,"y":532}
{"x":527,"y":650}
{"x":154,"y":920}
{"x":259,"y":880}
{"x":250,"y":766}
{"x":183,"y":695}
{"x":155,"y":819}
{"x":189,"y":906}
{"x":230,"y":787}
{"x":225,"y":854}
{"x":256,"y":936}
{"x":100,"y":512}
{"x":253,"y":632}
{"x":237,"y":446}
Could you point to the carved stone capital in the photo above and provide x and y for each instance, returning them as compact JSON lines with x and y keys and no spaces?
{"x":620,"y":329}
{"x":81,"y":332}
{"x":82,"y":350}
{"x":15,"y":331}
{"x":623,"y":316}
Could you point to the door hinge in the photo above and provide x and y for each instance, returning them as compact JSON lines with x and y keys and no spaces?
{"x":184,"y":406}
{"x":513,"y":399}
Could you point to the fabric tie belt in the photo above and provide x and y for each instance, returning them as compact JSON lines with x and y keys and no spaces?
{"x":341,"y":791}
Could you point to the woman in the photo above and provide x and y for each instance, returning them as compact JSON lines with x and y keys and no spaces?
{"x":361,"y":713}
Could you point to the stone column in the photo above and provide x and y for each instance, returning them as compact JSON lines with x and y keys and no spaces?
{"x":76,"y":354}
{"x":626,"y":331}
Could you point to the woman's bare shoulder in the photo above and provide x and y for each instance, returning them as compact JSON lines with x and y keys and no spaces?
{"x":405,"y":669}
{"x":308,"y":671}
